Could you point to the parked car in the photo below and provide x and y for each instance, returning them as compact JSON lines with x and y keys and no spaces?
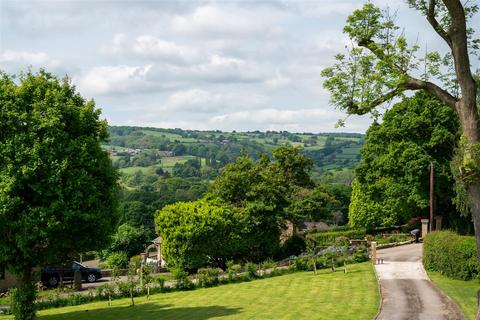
{"x":51,"y":275}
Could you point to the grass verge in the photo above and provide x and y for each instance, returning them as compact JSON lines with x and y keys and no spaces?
{"x":464,"y":293}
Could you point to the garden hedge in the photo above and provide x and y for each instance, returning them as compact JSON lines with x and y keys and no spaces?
{"x":452,"y":255}
{"x":328,"y":238}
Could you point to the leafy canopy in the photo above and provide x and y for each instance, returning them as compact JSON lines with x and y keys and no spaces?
{"x":392,"y":180}
{"x":57,"y":185}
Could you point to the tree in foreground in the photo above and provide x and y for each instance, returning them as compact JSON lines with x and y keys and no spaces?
{"x":57,"y":185}
{"x":392,"y":185}
{"x":381,"y":66}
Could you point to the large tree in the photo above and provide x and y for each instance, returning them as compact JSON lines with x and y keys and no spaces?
{"x":392,"y":180}
{"x":57,"y":185}
{"x":381,"y":65}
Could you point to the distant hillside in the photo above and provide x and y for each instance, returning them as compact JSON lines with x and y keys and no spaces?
{"x":188,"y":153}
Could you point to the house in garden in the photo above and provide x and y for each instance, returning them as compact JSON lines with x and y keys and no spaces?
{"x":154,"y":254}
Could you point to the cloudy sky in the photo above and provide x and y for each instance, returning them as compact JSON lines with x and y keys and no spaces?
{"x":227,"y":65}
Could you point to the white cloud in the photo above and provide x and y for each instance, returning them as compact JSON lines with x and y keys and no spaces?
{"x":24,"y":59}
{"x":279,"y":81}
{"x":298,"y":120}
{"x":197,"y":100}
{"x":153,"y":48}
{"x":113,"y":79}
{"x":224,"y":20}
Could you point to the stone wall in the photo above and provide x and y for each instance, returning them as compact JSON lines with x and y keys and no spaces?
{"x":7,"y":283}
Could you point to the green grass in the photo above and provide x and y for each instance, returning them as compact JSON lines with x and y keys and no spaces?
{"x":132,"y":170}
{"x":463,"y":292}
{"x":168,"y":135}
{"x":295,"y":296}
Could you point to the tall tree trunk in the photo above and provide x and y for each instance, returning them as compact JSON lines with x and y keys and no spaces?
{"x":469,"y":120}
{"x":23,"y":304}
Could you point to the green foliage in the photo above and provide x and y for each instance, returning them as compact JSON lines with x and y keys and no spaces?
{"x":183,"y":281}
{"x":196,"y":233}
{"x":392,"y":180}
{"x":251,"y":269}
{"x":208,"y":277}
{"x":316,"y":204}
{"x":129,"y":240}
{"x":233,"y":270}
{"x":21,"y":302}
{"x":329,"y":238}
{"x":57,"y":185}
{"x":116,"y":260}
{"x":452,"y":255}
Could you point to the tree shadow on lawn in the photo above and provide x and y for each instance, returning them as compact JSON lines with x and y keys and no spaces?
{"x":146,"y":311}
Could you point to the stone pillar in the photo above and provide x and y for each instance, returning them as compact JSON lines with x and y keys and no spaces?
{"x":438,"y":223}
{"x":373,"y":247}
{"x":424,"y":227}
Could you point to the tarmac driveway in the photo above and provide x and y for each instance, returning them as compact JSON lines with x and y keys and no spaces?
{"x":407,"y":293}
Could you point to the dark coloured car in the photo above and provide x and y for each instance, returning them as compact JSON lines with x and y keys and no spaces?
{"x":51,"y":275}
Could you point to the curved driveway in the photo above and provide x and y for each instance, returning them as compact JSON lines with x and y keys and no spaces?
{"x":407,"y":293}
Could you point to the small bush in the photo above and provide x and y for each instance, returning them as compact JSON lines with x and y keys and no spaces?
{"x":160,"y":280}
{"x":22,"y":299}
{"x":208,"y":277}
{"x":342,"y":241}
{"x":183,"y":282}
{"x":452,"y":255}
{"x":251,"y":269}
{"x":233,"y":270}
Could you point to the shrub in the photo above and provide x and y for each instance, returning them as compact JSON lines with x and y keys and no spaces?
{"x":208,"y":277}
{"x":160,"y":280}
{"x":451,"y":254}
{"x":268,"y":264}
{"x":251,"y":269}
{"x":182,"y":280}
{"x":233,"y":270}
{"x":328,"y":238}
{"x":333,"y":229}
{"x":116,"y":260}
{"x":19,"y":306}
{"x":342,"y":241}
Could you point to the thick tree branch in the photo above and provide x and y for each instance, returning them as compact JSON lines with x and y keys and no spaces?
{"x":458,"y":35}
{"x":416,"y":84}
{"x":434,"y":23}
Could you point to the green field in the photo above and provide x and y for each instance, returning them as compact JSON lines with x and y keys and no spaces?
{"x":168,"y":135}
{"x":463,"y":292}
{"x":300,"y":295}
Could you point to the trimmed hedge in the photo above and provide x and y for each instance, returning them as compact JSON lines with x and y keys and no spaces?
{"x":329,"y":238}
{"x":452,"y":255}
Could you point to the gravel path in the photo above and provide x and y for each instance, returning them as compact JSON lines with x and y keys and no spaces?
{"x":407,"y":293}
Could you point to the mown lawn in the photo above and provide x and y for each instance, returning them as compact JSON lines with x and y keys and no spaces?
{"x":295,"y":296}
{"x":463,"y":292}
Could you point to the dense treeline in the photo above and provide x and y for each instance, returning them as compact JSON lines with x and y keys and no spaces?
{"x":243,"y":213}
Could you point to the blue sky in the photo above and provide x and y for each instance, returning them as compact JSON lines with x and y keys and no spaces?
{"x":227,"y":65}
